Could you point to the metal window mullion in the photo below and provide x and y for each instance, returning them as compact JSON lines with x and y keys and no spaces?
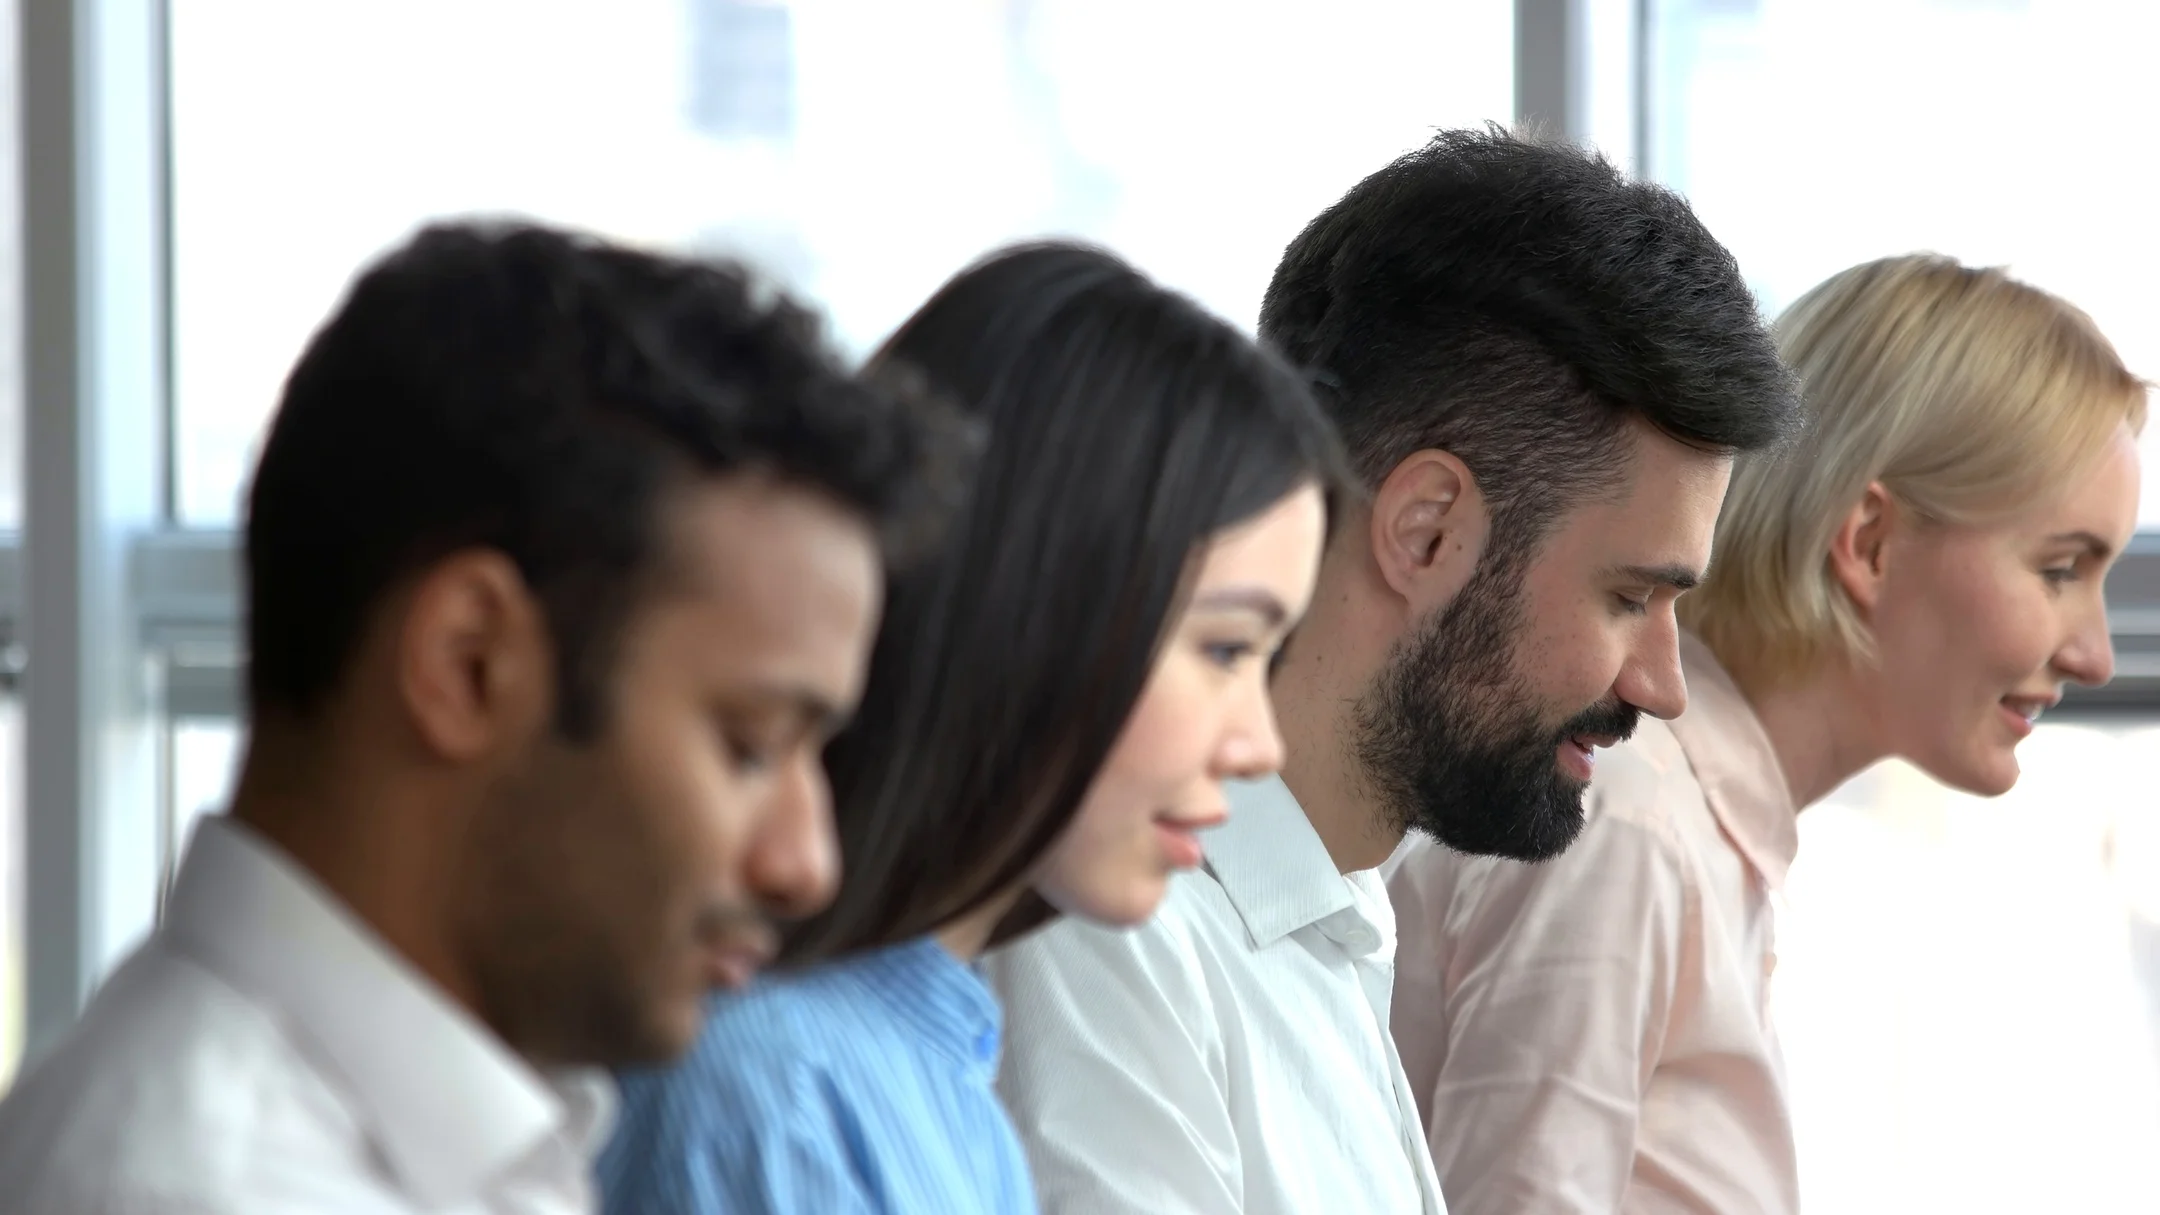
{"x":92,"y":241}
{"x":1580,"y":72}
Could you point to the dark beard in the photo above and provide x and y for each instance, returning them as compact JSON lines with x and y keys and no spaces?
{"x":1449,"y":734}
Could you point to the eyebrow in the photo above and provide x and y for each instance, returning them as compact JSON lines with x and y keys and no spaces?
{"x":1678,"y":577}
{"x":2092,"y":544}
{"x":811,"y":708}
{"x":1257,"y":600}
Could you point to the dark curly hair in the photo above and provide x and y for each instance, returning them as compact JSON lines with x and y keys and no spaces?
{"x":1513,"y":301}
{"x":536,"y":391}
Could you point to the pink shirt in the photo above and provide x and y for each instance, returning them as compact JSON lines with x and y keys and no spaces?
{"x":1593,"y":1033}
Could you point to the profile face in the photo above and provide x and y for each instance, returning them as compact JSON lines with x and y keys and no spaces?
{"x":628,"y":876}
{"x":1483,"y":727}
{"x":1203,"y":717}
{"x":1979,"y":629}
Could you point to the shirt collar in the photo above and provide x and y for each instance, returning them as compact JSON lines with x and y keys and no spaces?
{"x":449,"y":1104}
{"x":1735,"y":764}
{"x":1273,"y":865}
{"x":943,"y":1000}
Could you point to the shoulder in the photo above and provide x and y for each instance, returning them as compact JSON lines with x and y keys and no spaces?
{"x":1632,"y":854}
{"x":770,"y":1089}
{"x":1074,"y":985}
{"x":1190,"y":929}
{"x":764,"y":1049}
{"x":173,"y":1088}
{"x":1646,"y":783}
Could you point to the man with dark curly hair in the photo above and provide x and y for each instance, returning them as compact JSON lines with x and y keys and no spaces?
{"x":563,"y":561}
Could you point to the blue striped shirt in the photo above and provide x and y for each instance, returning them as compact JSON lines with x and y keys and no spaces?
{"x":860,"y":1086}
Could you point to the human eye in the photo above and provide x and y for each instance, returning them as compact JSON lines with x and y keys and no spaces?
{"x":754,"y":748}
{"x":1227,"y":654}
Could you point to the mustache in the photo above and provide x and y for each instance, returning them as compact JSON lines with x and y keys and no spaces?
{"x":1613,"y":718}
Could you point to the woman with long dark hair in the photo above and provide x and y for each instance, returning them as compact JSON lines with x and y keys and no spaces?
{"x":1054,"y":702}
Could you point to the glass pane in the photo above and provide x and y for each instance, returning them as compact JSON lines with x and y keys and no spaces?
{"x":1813,"y":134}
{"x":1969,"y":991}
{"x":204,"y":755}
{"x":12,"y":938}
{"x":861,"y":152}
{"x":11,"y":318}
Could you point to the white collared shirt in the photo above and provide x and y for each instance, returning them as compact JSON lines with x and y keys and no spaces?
{"x":265,"y":1053}
{"x":1232,"y":1055}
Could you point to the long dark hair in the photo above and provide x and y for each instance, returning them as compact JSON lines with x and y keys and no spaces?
{"x":1127,"y":426}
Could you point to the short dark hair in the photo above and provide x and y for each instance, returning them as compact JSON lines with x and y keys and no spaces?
{"x":1127,"y":427}
{"x":534,"y":391}
{"x":1513,"y":301}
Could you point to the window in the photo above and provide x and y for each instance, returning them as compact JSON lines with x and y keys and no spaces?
{"x":1969,"y":991}
{"x":1814,"y":134}
{"x":11,"y":885}
{"x":11,"y":513}
{"x":205,"y":758}
{"x":861,"y":152}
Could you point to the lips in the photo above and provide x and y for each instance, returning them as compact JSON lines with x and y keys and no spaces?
{"x":2030,"y":707}
{"x":1177,"y":832}
{"x":1194,"y":820}
{"x":734,"y":959}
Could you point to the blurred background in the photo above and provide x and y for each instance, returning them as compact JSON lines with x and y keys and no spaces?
{"x":1969,"y":991}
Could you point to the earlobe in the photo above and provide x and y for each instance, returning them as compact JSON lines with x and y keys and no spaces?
{"x":1429,"y":525}
{"x":472,"y":656}
{"x":1859,"y":551}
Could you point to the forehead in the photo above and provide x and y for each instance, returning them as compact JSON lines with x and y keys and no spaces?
{"x":2103,"y":500}
{"x":1662,"y":513}
{"x":1277,"y":550}
{"x":768,"y":578}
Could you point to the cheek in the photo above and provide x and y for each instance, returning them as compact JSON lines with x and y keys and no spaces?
{"x":1575,"y":666}
{"x":1107,"y":865}
{"x":1167,"y":743}
{"x":1977,"y":629}
{"x":694,"y":815}
{"x":1106,"y":868}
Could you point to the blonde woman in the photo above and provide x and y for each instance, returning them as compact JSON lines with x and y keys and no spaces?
{"x":1918,"y":576}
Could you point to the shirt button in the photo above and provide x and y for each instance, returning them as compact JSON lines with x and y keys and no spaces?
{"x":986,"y":1044}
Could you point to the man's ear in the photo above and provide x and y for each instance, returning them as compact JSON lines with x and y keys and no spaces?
{"x":1859,"y":550}
{"x":1429,"y":526}
{"x":474,"y":666}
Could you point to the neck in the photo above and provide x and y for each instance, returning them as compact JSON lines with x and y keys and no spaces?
{"x":1820,"y":728}
{"x":967,"y":936}
{"x":1314,"y":697}
{"x":364,"y":838}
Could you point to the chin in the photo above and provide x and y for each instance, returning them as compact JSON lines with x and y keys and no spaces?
{"x":1995,"y":780}
{"x":1988,"y":775}
{"x":1538,"y":831}
{"x":1129,"y":907}
{"x":668,"y":1030}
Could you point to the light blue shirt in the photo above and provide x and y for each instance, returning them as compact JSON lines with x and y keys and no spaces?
{"x":860,"y":1086}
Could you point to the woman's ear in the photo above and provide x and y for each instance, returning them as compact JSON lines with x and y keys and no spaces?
{"x":1859,"y":550}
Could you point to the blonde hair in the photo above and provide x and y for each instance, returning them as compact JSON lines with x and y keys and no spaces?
{"x":1967,"y":393}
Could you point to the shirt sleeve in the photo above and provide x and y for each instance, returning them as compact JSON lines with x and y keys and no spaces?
{"x":710,"y":1141}
{"x":1113,"y":1071}
{"x":1550,"y":985}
